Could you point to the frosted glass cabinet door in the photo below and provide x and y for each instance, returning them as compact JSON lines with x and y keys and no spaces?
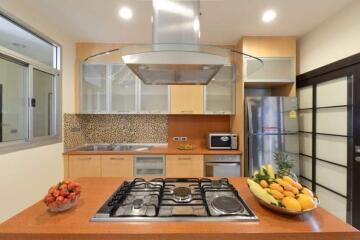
{"x":279,"y":69}
{"x":93,"y":88}
{"x":123,"y":89}
{"x":154,"y":98}
{"x":220,"y":92}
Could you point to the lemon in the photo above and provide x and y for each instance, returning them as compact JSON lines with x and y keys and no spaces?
{"x":308,"y":192}
{"x":306,"y":201}
{"x":291,"y":204}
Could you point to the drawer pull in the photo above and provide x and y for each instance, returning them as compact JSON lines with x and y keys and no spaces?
{"x":186,"y":111}
{"x":84,"y":158}
{"x":116,"y":158}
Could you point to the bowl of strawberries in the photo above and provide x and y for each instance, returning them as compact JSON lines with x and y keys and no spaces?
{"x":62,"y":196}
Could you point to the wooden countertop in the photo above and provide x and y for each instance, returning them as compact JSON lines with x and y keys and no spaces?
{"x":38,"y":223}
{"x":163,"y":150}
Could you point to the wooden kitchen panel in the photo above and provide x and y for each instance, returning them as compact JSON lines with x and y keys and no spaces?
{"x":270,"y":46}
{"x":184,"y":166}
{"x":84,"y":166}
{"x":196,"y":127}
{"x":186,"y":99}
{"x":117,"y":166}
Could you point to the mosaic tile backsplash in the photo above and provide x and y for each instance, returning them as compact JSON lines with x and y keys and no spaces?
{"x":110,"y":128}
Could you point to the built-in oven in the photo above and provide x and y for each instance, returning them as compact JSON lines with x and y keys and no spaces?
{"x":222,"y":165}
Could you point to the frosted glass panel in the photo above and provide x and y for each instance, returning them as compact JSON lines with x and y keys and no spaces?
{"x":331,"y":176}
{"x":305,"y":183}
{"x":220,"y":94}
{"x":306,"y":167}
{"x":332,"y":93}
{"x":305,"y":96}
{"x":332,"y":202}
{"x":305,"y":143}
{"x":332,"y":148}
{"x":305,"y":120}
{"x":93,"y":88}
{"x":273,"y":70}
{"x":123,"y":89}
{"x":154,"y":98}
{"x":332,"y":120}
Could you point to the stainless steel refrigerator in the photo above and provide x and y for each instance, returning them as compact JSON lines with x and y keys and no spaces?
{"x":272,"y":125}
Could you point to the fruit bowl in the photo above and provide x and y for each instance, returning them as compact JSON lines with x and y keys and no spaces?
{"x":62,"y":196}
{"x":280,"y":192}
{"x":64,"y":206}
{"x":284,"y":210}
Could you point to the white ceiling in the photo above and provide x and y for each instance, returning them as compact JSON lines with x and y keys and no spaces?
{"x":222,"y":21}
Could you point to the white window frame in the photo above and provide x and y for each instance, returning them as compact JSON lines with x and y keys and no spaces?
{"x":56,"y":71}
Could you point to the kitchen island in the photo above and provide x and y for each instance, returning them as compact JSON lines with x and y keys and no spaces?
{"x":38,"y":223}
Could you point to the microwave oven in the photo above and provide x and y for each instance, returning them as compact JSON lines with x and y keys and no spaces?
{"x":222,"y":141}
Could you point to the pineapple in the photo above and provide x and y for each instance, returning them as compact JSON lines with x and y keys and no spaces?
{"x":284,"y":163}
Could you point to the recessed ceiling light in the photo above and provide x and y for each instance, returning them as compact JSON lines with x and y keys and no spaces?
{"x":268,"y":16}
{"x":125,"y":13}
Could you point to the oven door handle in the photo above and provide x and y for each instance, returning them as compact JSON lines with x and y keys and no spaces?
{"x":222,"y":164}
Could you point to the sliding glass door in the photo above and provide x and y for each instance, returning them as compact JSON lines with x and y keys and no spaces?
{"x":329,"y":122}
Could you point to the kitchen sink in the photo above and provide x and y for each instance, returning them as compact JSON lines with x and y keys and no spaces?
{"x":114,"y":147}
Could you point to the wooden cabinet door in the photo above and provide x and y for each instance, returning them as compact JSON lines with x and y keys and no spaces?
{"x":116,"y":166}
{"x":187,"y":99}
{"x":84,"y":166}
{"x":184,"y":166}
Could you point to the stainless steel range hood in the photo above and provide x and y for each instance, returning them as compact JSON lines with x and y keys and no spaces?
{"x":175,"y":57}
{"x":177,"y":23}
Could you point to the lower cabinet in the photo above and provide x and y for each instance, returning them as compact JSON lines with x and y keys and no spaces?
{"x":76,"y":166}
{"x":117,"y":165}
{"x":84,"y":166}
{"x":184,"y":166}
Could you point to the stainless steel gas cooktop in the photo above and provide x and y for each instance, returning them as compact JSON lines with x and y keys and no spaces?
{"x":175,"y":199}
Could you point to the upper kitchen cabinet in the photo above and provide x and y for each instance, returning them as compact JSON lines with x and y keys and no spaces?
{"x":93,"y":88}
{"x":278,"y":71}
{"x":220,"y":92}
{"x":154,"y":98}
{"x":186,"y":99}
{"x":123,"y":89}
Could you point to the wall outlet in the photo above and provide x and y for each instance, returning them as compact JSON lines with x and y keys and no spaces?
{"x":183,"y":139}
{"x":180,"y":139}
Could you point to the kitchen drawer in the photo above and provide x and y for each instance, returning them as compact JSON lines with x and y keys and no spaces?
{"x":116,"y":166}
{"x":84,"y":166}
{"x":184,"y":166}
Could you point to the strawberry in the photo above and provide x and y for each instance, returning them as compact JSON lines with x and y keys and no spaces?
{"x":56,"y":193}
{"x":52,"y":189}
{"x":71,"y":186}
{"x":60,"y":199}
{"x":64,"y":192}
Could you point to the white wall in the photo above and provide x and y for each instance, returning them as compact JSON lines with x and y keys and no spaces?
{"x":26,"y":175}
{"x":336,"y":38}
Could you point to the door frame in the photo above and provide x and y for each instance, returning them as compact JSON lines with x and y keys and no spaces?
{"x":346,"y":67}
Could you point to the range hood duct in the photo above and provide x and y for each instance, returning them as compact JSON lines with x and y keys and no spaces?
{"x":177,"y":57}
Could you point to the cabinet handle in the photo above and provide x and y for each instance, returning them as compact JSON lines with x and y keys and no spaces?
{"x":116,"y":158}
{"x":186,"y":111}
{"x":84,"y":158}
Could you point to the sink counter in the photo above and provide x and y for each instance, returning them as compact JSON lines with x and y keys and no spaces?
{"x":38,"y":223}
{"x":158,"y":150}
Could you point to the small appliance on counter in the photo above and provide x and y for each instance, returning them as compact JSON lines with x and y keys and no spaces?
{"x":222,"y":141}
{"x":175,"y":199}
